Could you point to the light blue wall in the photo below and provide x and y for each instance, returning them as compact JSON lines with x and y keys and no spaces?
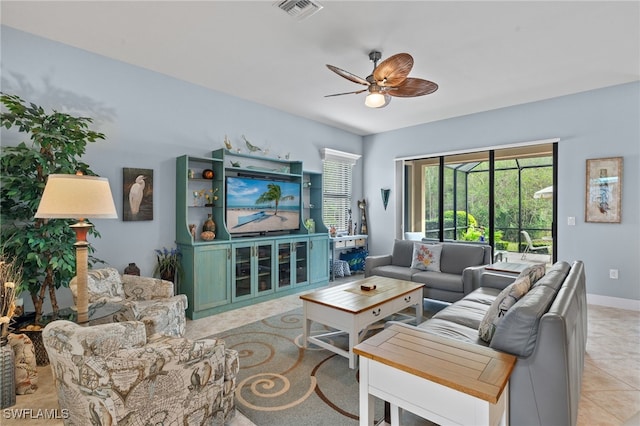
{"x":150,"y":119}
{"x":595,"y":124}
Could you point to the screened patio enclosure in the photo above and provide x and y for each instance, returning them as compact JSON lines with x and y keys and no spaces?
{"x":488,"y":196}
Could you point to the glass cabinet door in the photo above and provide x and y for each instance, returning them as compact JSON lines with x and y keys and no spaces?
{"x":301,"y":249}
{"x":284,"y":264}
{"x":264,"y":257}
{"x":242,"y":273}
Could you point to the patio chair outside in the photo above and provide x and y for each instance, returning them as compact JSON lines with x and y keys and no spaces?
{"x":530,"y":247}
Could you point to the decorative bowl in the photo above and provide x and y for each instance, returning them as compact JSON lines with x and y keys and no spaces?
{"x":207,"y":235}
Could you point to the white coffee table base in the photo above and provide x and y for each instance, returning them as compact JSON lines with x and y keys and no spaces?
{"x":354,"y":324}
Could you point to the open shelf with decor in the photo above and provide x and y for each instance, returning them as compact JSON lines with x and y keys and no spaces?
{"x":312,"y":202}
{"x":263,"y":247}
{"x":199,"y":183}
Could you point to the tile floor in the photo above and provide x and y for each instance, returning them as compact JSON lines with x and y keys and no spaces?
{"x":610,"y":388}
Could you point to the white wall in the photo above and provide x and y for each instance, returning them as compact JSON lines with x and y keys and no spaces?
{"x":594,"y":124}
{"x":150,"y":119}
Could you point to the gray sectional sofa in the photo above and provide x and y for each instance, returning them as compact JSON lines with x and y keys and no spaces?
{"x":457,"y":263}
{"x":546,"y":329}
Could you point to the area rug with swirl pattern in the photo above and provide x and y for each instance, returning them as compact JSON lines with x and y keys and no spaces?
{"x":282,"y":383}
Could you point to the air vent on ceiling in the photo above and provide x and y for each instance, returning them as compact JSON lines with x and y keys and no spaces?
{"x":299,"y":9}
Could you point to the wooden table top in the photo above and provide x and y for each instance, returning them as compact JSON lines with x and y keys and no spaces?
{"x":473,"y":369}
{"x":350,"y":298}
{"x":512,"y":267}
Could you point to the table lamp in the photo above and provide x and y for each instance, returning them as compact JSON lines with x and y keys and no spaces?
{"x":78,"y":197}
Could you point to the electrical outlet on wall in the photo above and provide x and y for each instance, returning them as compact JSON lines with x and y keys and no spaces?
{"x":613,"y":274}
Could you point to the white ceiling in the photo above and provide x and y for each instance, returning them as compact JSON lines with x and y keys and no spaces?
{"x":483,"y":55}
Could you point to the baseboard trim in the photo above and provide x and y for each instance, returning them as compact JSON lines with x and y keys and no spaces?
{"x":613,"y":302}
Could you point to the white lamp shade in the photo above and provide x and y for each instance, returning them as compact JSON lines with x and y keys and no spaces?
{"x":374,"y":100}
{"x":77,"y":197}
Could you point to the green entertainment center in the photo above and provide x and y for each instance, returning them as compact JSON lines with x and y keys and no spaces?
{"x":267,"y":251}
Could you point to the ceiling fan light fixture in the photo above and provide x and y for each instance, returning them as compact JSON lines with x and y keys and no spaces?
{"x":389,"y":79}
{"x":375,"y":100}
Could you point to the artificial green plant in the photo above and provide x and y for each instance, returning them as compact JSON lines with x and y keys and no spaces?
{"x":43,"y":247}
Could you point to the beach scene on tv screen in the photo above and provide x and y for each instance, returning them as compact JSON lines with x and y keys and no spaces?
{"x":258,"y":205}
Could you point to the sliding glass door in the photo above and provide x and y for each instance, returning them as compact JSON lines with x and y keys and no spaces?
{"x":466,"y":197}
{"x":502,"y":197}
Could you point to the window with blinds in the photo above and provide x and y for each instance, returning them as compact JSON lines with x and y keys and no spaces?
{"x":336,"y":197}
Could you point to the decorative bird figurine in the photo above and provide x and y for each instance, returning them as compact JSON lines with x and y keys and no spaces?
{"x":99,"y":417}
{"x":135,"y":194}
{"x":227,"y":143}
{"x":250,"y":146}
{"x":235,"y":164}
{"x":195,"y":379}
{"x":206,"y":373}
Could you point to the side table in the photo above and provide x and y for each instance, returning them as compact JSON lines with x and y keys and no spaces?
{"x":98,"y":314}
{"x":440,"y":379}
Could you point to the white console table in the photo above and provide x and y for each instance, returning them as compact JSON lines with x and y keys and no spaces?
{"x":348,"y":242}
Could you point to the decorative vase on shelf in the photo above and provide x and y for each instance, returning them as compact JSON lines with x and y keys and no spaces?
{"x":311,"y":225}
{"x":209,"y":225}
{"x":192,"y":230}
{"x":168,"y":274}
{"x":132,"y":269}
{"x":207,"y":235}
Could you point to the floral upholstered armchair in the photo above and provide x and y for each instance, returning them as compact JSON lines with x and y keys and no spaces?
{"x":145,"y":299}
{"x":111,"y":374}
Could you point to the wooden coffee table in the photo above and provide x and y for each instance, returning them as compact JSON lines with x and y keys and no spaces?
{"x":349,"y":309}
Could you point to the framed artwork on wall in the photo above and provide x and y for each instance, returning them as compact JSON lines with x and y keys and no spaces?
{"x":603,"y":198}
{"x":137,"y":194}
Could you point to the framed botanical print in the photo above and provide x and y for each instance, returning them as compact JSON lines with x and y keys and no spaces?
{"x":603,"y":198}
{"x":137,"y":194}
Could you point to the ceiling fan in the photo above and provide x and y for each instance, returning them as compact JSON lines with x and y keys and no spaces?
{"x":387,"y":79}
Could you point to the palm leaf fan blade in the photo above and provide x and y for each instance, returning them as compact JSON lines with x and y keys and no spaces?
{"x":348,"y":75}
{"x":413,"y":87}
{"x":393,"y":70}
{"x":346,"y":93}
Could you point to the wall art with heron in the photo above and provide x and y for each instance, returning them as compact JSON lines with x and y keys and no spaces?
{"x":137,"y":194}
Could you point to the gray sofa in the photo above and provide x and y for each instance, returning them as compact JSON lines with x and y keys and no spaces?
{"x":457,"y":263}
{"x":546,"y":329}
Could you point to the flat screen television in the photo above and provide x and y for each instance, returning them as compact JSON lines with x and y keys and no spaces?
{"x":261,"y":205}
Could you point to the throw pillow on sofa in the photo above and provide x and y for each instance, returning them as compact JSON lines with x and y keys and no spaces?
{"x":104,"y":285}
{"x":426,"y":257}
{"x":535,"y":272}
{"x":505,"y":300}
